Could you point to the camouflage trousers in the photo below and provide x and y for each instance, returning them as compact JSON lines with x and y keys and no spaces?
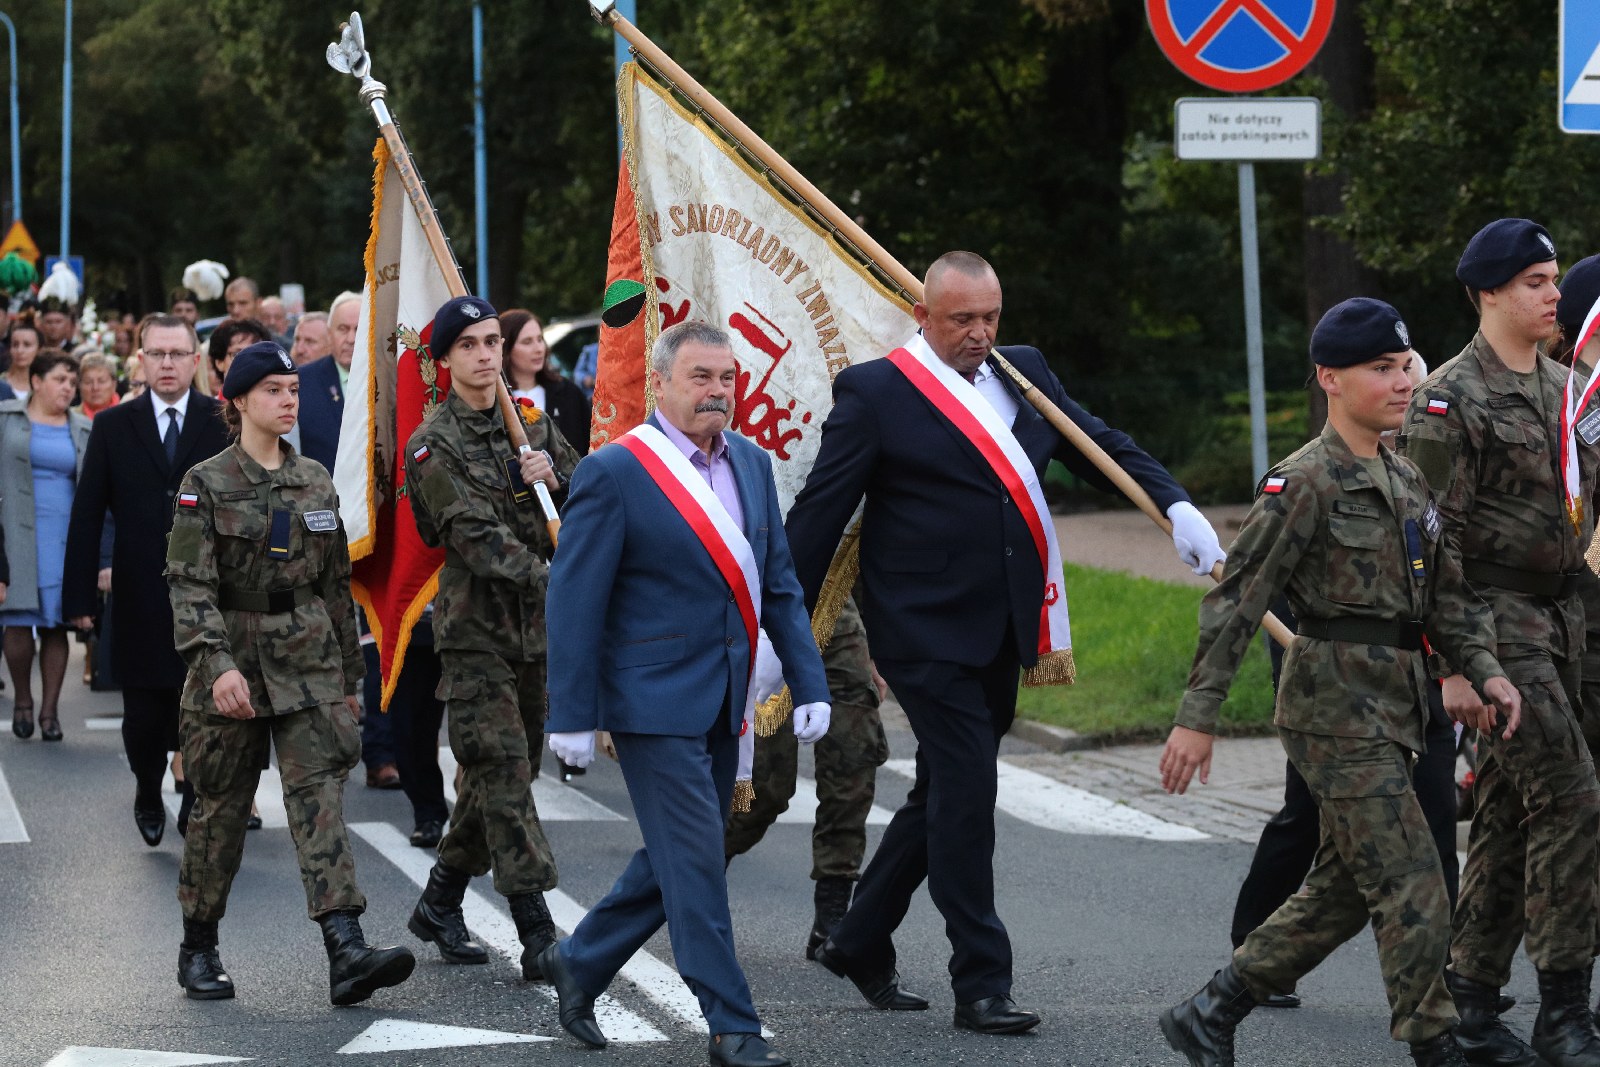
{"x":495,"y":712}
{"x":223,"y":759}
{"x":847,"y":760}
{"x":1377,"y":864}
{"x":1533,"y":856}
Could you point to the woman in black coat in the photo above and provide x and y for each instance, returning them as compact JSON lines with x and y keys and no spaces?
{"x":532,"y":378}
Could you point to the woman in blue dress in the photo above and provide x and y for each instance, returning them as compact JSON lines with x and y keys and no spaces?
{"x":41,"y":454}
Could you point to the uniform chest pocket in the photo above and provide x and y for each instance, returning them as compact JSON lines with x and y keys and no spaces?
{"x":246,"y":523}
{"x":1354,"y":559}
{"x":1518,"y":434}
{"x":484,"y":468}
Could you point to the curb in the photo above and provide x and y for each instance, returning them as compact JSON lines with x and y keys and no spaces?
{"x":1053,"y":738}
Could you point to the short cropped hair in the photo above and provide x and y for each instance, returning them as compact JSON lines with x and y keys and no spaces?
{"x":665,"y":352}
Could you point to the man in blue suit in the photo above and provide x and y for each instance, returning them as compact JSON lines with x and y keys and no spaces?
{"x":322,"y":384}
{"x":953,"y":608}
{"x":672,"y":549}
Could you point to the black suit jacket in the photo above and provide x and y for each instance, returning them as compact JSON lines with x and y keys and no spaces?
{"x":569,"y":410}
{"x":947,"y":563}
{"x":126,"y":473}
{"x":321,"y":410}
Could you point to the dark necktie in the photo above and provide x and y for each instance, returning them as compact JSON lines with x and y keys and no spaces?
{"x":169,"y":440}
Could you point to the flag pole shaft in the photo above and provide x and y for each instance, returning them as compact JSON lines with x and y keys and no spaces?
{"x":374,"y":94}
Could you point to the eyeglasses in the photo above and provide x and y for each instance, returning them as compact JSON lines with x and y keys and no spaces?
{"x":167,"y":357}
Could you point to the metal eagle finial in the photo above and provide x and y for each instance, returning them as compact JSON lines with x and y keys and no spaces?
{"x":348,"y":55}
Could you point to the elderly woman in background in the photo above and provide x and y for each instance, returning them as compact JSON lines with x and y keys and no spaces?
{"x":25,"y":342}
{"x":97,"y":385}
{"x":41,"y":454}
{"x":532,"y":378}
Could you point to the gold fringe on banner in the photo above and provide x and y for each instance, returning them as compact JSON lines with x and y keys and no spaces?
{"x":1053,"y":668}
{"x":744,"y":794}
{"x":830,"y":602}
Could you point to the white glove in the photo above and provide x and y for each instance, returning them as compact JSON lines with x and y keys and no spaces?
{"x":811,"y":721}
{"x":575,"y":750}
{"x":767,"y":678}
{"x":1194,"y":538}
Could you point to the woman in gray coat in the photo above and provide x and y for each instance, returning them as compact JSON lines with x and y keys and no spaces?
{"x":41,"y":454}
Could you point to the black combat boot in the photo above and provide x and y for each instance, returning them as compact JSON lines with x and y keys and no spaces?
{"x":832,"y":896}
{"x":1483,"y":1038}
{"x":535,"y":928}
{"x":200,"y":964}
{"x":437,"y":916}
{"x":1564,"y":1032}
{"x":1441,"y":1051}
{"x":1202,"y":1027}
{"x":355,"y":969}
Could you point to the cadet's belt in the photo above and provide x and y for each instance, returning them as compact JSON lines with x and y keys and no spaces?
{"x":1534,"y":583}
{"x":1397,"y":633}
{"x":277,"y":602}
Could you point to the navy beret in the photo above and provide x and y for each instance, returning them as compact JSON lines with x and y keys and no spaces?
{"x":1356,"y":331}
{"x":1580,"y":288}
{"x":253,"y":364}
{"x":1501,"y":251}
{"x":453,"y":317}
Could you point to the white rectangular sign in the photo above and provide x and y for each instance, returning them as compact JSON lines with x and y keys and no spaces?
{"x":1248,"y":128}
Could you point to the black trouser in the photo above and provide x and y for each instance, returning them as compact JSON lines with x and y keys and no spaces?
{"x":415,"y":715}
{"x":944,"y":832}
{"x":1289,"y":842}
{"x":149,"y":732}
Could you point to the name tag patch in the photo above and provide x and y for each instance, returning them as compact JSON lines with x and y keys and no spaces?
{"x":321,"y":521}
{"x":1589,"y":427}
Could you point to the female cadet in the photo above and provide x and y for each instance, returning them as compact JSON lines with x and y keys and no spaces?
{"x":260,"y":582}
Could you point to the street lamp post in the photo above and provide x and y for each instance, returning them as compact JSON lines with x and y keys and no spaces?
{"x":480,"y":160}
{"x":16,"y":126}
{"x":66,"y":141}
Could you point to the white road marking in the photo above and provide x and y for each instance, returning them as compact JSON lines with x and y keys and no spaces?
{"x":554,"y":800}
{"x":496,"y":930}
{"x":803,"y":806}
{"x":396,"y":1035}
{"x":269,"y":799}
{"x":88,"y":1056}
{"x":103,"y":722}
{"x":1043,"y":801}
{"x":12,"y":831}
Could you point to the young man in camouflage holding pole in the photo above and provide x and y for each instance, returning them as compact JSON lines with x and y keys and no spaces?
{"x":1486,"y":430}
{"x":1350,"y":533}
{"x":474,"y":496}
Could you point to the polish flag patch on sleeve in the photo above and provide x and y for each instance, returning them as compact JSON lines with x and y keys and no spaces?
{"x":188,"y":500}
{"x":1438,"y":407}
{"x":1274,"y":485}
{"x":421,"y":454}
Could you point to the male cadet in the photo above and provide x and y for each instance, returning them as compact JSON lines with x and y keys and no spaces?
{"x":472,"y":494}
{"x":1349,"y":532}
{"x":847,"y":761}
{"x":953,"y":610}
{"x":672,"y":557}
{"x":1485,"y":431}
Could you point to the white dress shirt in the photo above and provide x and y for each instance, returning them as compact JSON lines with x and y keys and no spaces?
{"x":181,"y":406}
{"x":991,"y":388}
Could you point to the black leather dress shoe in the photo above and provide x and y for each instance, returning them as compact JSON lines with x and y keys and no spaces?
{"x":744,"y":1050}
{"x":881,"y":988}
{"x":995,"y":1015}
{"x":1280,"y":1000}
{"x":151,"y":819}
{"x":427,"y":834}
{"x":576,"y":1007}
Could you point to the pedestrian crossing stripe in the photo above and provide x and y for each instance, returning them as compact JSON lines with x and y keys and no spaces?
{"x":90,"y":1056}
{"x":1586,"y":90}
{"x":400,"y":1035}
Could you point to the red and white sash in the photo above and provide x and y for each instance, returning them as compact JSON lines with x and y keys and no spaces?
{"x":1574,"y":401}
{"x":959,"y":401}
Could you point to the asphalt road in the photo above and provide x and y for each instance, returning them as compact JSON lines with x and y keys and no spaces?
{"x":1107,"y":929}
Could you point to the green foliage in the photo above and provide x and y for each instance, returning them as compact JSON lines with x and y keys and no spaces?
{"x":1134,"y":640}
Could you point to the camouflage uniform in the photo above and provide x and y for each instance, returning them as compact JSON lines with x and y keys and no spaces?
{"x":259,"y":575}
{"x":847,"y":758}
{"x":488,"y":624}
{"x":1489,"y":444}
{"x":1338,"y":534}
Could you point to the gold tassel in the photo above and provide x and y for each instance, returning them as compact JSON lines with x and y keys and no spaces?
{"x":744,"y":794}
{"x":774,"y":713}
{"x":1053,"y":668}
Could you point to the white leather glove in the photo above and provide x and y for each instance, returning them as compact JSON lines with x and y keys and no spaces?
{"x":575,"y":750}
{"x":811,"y":721}
{"x":1194,"y":538}
{"x":767,"y":678}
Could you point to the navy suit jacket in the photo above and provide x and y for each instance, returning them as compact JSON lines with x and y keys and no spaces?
{"x":644,"y":635}
{"x":321,"y":410}
{"x":947,"y":563}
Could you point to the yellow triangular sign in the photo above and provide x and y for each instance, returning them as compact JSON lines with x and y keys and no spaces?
{"x":18,"y":239}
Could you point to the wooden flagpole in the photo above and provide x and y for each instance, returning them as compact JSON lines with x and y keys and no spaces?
{"x":849,"y":231}
{"x":349,"y":56}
